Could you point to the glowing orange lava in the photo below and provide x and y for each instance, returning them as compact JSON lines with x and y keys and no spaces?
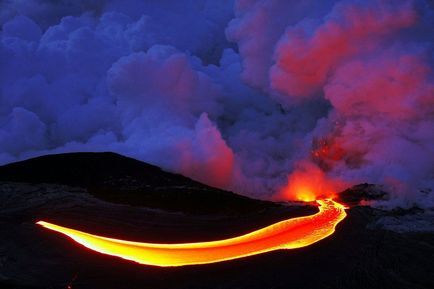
{"x":289,"y":234}
{"x":308,"y":183}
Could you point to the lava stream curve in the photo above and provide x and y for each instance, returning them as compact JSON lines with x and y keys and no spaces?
{"x":288,"y":234}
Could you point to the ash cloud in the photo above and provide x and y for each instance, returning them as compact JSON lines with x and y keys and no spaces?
{"x":252,"y":96}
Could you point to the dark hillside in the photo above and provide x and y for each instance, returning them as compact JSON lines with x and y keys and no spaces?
{"x":124,"y":180}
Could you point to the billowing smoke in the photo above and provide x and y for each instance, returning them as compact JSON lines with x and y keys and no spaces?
{"x":270,"y":98}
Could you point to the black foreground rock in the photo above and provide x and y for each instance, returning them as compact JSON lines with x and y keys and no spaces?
{"x":111,"y":195}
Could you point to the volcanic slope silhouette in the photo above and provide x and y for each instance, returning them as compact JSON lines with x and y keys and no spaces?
{"x":112,"y":195}
{"x":119,"y":179}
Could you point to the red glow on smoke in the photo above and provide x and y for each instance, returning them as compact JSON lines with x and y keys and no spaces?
{"x":304,"y":61}
{"x":393,"y":86}
{"x":208,"y":159}
{"x":309,"y":183}
{"x":326,"y":149}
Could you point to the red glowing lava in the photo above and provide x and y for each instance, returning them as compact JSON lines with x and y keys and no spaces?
{"x":289,"y":234}
{"x":308,"y":183}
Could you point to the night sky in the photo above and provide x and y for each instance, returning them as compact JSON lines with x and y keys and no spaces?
{"x":251,"y":96}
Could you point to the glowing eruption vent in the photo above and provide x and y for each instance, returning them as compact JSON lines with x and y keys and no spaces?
{"x":288,"y":234}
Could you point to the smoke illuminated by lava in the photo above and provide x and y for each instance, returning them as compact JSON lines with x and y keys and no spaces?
{"x":242,"y":95}
{"x":308,"y":182}
{"x":289,"y":234}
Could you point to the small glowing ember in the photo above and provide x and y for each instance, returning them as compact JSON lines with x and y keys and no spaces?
{"x":289,"y":234}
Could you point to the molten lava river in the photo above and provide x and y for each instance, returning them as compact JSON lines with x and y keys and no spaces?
{"x":289,"y":234}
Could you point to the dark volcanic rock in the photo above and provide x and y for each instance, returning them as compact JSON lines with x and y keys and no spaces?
{"x":357,"y":255}
{"x":363,"y":192}
{"x":119,"y":179}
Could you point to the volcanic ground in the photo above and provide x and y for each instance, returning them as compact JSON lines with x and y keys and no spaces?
{"x":111,"y":195}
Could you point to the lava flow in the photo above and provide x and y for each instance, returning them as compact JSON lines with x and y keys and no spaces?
{"x":289,"y":234}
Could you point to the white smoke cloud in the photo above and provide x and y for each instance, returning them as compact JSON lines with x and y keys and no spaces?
{"x":338,"y":90}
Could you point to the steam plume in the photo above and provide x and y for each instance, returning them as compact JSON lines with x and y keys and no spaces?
{"x":253,"y":96}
